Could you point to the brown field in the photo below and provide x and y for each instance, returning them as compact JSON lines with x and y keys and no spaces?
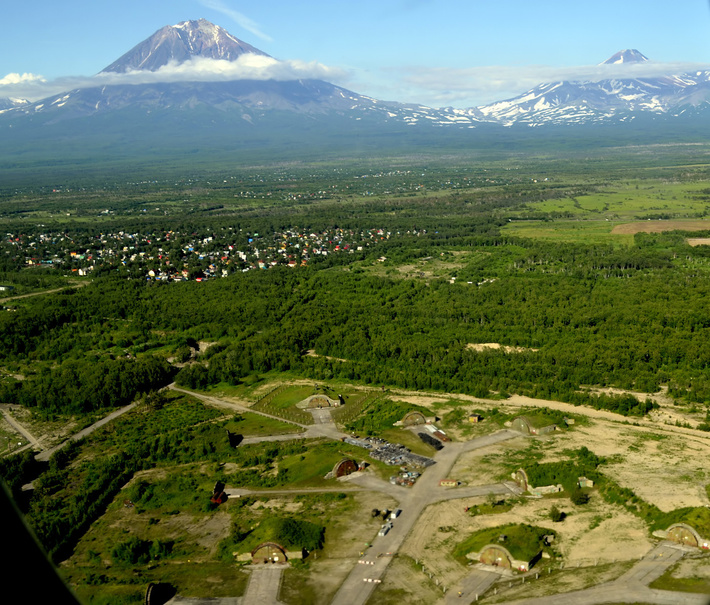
{"x":699,"y":241}
{"x":660,"y":226}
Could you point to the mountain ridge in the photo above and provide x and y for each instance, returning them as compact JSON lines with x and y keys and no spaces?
{"x":150,"y":117}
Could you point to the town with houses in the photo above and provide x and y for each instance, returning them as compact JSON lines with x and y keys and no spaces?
{"x":178,"y":255}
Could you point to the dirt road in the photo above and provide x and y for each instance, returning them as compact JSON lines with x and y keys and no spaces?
{"x":53,"y":291}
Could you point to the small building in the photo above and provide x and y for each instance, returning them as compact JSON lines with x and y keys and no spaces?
{"x":499,"y":556}
{"x":270,"y":552}
{"x":6,"y":288}
{"x":686,"y":534}
{"x":521,"y":478}
{"x":513,"y":546}
{"x":344,"y":467}
{"x":475,"y":418}
{"x":413,"y":419}
{"x":527,"y":427}
{"x":319,"y":401}
{"x":584,"y":482}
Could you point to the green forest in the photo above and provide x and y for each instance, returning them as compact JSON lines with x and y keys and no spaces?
{"x":415,"y":282}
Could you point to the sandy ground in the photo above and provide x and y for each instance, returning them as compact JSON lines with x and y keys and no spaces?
{"x":666,"y":465}
{"x":668,"y":470}
{"x":312,"y":353}
{"x":404,"y":582}
{"x":494,"y":346}
{"x":482,"y":466}
{"x":699,"y":241}
{"x":591,"y":535}
{"x":668,"y":412}
{"x":660,"y":226}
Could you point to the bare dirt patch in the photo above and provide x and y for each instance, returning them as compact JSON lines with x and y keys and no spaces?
{"x":312,"y":353}
{"x":482,"y":466}
{"x":422,"y":400}
{"x":206,"y":531}
{"x":404,"y":582}
{"x":495,"y":346}
{"x":204,"y":345}
{"x":594,"y":534}
{"x":666,"y":469}
{"x":660,"y":226}
{"x":698,"y":241}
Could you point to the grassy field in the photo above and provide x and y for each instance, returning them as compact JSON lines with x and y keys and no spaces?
{"x":570,"y":231}
{"x":282,"y":402}
{"x":291,"y":396}
{"x":591,"y":217}
{"x":625,"y":200}
{"x":254,"y":425}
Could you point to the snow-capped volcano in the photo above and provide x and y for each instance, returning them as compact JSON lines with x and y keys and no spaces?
{"x":137,"y":80}
{"x":630,"y":55}
{"x":266,"y":107}
{"x":181,"y":42}
{"x":617,"y":98}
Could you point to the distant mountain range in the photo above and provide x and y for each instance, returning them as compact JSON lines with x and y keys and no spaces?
{"x":154,"y":111}
{"x":565,"y":102}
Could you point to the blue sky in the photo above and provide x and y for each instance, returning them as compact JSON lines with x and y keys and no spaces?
{"x":449,"y":52}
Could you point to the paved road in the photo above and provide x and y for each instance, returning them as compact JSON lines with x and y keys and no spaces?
{"x":264,"y":584}
{"x":358,"y":586}
{"x":477,"y":583}
{"x":46,"y":454}
{"x":614,"y":593}
{"x":653,"y":564}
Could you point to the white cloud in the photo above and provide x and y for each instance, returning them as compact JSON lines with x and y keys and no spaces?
{"x":245,"y":67}
{"x":242,"y":20}
{"x":198,"y":69}
{"x":15,"y":78}
{"x":436,"y":87}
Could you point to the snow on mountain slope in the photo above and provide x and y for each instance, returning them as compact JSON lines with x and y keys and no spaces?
{"x":608,"y":100}
{"x":181,"y":42}
{"x":564,"y":102}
